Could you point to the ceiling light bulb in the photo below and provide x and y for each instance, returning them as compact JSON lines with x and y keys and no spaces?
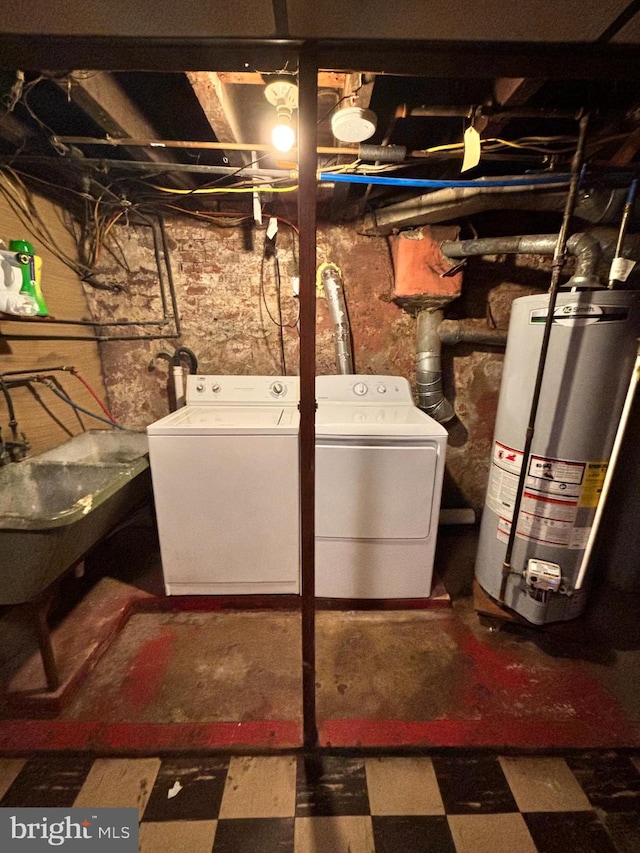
{"x":283,"y":136}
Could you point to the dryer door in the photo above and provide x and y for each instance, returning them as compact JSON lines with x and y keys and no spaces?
{"x":374,"y":490}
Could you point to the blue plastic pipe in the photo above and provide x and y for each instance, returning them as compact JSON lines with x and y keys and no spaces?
{"x":341,"y":177}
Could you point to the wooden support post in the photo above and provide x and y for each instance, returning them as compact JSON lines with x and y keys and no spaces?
{"x":307,"y":224}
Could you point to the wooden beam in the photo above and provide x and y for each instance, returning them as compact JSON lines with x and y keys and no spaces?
{"x":15,"y":132}
{"x":102,"y":98}
{"x":628,"y":150}
{"x":515,"y":91}
{"x":508,"y":92}
{"x":326,"y":79}
{"x":213,"y":96}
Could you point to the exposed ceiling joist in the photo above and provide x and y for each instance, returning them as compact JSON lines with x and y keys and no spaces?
{"x":515,"y":91}
{"x":103,"y":99}
{"x":326,"y":79}
{"x":510,"y":92}
{"x":15,"y":132}
{"x":628,"y":150}
{"x":213,"y":96}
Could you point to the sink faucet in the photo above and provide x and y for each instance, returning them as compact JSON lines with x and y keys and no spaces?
{"x":15,"y":449}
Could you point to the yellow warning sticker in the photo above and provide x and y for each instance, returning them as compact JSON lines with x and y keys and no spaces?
{"x":592,"y":485}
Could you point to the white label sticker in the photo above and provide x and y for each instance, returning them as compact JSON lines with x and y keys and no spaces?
{"x":621,"y":269}
{"x":552,"y":495}
{"x":503,"y":479}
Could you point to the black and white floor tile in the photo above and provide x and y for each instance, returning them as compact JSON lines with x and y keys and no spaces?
{"x":458,"y":802}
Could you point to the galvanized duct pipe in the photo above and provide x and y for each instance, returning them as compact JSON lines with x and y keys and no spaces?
{"x":431,"y":397}
{"x":468,"y":332}
{"x":334,"y":294}
{"x":598,"y":205}
{"x":585,"y":247}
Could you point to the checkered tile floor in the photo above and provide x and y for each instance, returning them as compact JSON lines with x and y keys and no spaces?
{"x":458,"y":802}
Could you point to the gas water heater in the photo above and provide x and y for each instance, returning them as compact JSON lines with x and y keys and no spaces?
{"x":591,"y":355}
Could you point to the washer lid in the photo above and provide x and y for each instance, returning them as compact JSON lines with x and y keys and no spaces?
{"x":352,"y":419}
{"x":228,"y":420}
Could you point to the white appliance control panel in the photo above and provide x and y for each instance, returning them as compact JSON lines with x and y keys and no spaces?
{"x":363,"y":389}
{"x":202,"y":389}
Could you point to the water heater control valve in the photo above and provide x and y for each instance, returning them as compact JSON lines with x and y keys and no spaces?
{"x":541,"y":574}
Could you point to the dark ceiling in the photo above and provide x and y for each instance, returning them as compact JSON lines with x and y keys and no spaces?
{"x":97,"y":130}
{"x":51,"y":118}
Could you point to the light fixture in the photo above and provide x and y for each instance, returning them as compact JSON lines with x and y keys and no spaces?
{"x":282,"y":92}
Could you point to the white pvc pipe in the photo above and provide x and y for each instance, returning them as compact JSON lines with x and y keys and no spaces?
{"x":178,"y":384}
{"x":606,"y":485}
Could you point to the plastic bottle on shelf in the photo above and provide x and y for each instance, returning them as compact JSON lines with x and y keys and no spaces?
{"x":31,"y":273}
{"x":17,"y":303}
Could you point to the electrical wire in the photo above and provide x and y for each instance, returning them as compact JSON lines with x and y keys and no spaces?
{"x":263,"y":296}
{"x":235,"y":219}
{"x":212,"y":190}
{"x":23,"y":205}
{"x":280,"y":325}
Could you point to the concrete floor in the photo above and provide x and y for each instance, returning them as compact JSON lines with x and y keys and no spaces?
{"x":384,"y":678}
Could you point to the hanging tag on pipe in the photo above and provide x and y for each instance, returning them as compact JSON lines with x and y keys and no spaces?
{"x":471,"y":149}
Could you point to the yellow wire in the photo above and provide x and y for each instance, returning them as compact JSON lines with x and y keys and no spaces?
{"x":453,"y":146}
{"x":208,"y":191}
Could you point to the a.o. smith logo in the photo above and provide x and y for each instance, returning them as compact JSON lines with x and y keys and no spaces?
{"x":104,"y":830}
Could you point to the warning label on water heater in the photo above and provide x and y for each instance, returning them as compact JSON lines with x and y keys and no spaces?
{"x":555,"y":490}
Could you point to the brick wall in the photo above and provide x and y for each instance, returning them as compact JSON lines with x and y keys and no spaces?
{"x":223,"y":309}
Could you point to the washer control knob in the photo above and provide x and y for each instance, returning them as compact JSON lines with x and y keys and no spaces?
{"x":200,"y":387}
{"x":360,"y":389}
{"x":277,"y":389}
{"x":216,"y":387}
{"x":382,"y":389}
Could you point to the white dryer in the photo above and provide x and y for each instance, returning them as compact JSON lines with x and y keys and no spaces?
{"x":379,"y":470}
{"x":225,"y":482}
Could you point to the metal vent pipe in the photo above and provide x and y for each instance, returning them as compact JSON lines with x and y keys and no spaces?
{"x":431,"y":397}
{"x":584,"y":246}
{"x":334,"y":293}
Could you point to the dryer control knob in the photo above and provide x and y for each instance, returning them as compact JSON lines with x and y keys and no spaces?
{"x":200,"y":387}
{"x":382,"y":389}
{"x":278,"y":389}
{"x":360,"y":389}
{"x":216,"y":387}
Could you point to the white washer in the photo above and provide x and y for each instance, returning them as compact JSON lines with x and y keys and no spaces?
{"x":379,"y":469}
{"x":225,"y":482}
